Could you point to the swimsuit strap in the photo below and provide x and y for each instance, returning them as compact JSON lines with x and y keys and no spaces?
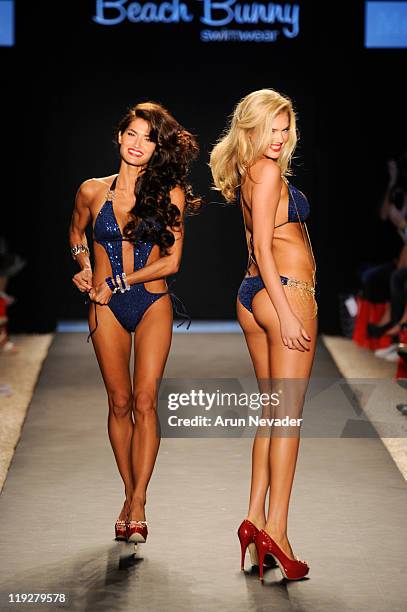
{"x":249,"y":241}
{"x":280,"y":224}
{"x":178,"y":305}
{"x":180,"y":309}
{"x":111,"y":192}
{"x":88,"y":301}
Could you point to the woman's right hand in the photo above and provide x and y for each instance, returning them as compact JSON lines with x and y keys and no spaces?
{"x":83,"y":280}
{"x":293,"y":334}
{"x":101,"y":294}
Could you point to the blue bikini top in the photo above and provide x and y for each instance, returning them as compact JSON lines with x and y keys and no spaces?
{"x":106,"y":227}
{"x":298,"y":205}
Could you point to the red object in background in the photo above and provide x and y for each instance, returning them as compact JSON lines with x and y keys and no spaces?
{"x":401,"y":368}
{"x":368,"y":312}
{"x":3,"y":308}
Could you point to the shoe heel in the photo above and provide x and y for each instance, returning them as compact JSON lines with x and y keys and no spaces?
{"x":243,"y":546}
{"x":120,"y":530}
{"x":260,"y":554}
{"x":246,"y":534}
{"x":253,"y":554}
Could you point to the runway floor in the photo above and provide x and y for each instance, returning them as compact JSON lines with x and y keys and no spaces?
{"x":348,"y":509}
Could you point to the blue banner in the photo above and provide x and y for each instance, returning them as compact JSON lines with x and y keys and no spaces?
{"x":386,"y":25}
{"x":6,"y":23}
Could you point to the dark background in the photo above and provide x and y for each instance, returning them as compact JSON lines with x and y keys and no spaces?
{"x":68,"y":81}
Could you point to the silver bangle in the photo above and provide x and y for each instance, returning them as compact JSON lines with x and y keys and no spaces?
{"x":126,"y":284}
{"x":79,"y":248}
{"x":120,"y":283}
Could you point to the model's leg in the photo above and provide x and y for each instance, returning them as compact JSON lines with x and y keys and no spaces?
{"x":112,"y":344}
{"x":285,"y":364}
{"x":152,"y":343}
{"x":256,"y":339}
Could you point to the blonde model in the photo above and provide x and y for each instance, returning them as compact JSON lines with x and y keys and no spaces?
{"x":276,"y":305}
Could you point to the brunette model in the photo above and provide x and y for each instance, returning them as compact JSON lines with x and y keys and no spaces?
{"x":137,"y":220}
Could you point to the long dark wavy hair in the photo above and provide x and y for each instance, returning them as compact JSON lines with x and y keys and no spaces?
{"x":168,"y":167}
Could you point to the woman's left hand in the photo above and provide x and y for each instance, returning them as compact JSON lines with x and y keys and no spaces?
{"x":101,"y":294}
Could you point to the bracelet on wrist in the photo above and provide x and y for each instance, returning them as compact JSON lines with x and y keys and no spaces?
{"x":77,"y":249}
{"x":126,"y":284}
{"x":119,"y":283}
{"x":111,"y":284}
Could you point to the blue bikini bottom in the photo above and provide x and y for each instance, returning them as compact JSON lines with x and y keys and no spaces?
{"x":253,"y":284}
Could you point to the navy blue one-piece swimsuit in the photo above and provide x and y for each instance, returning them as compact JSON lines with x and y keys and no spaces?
{"x":130,"y":306}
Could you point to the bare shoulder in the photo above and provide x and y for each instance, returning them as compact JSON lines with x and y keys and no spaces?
{"x":265,"y":171}
{"x":87,"y":188}
{"x":105,"y":180}
{"x":93,"y":187}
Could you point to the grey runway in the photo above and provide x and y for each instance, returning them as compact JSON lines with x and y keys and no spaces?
{"x":348,"y":509}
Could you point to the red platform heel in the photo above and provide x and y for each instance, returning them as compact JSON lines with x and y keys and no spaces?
{"x":137,"y":531}
{"x":290,"y":568}
{"x":120,"y":529}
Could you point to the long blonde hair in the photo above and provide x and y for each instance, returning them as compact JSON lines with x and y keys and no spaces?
{"x":235,"y":151}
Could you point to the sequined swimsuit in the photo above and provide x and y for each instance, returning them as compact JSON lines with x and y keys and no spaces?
{"x":298,"y":211}
{"x":130,"y":306}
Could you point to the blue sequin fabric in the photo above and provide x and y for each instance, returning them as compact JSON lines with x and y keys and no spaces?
{"x":298,"y":206}
{"x":128,"y":307}
{"x":253,"y":284}
{"x":248,"y":289}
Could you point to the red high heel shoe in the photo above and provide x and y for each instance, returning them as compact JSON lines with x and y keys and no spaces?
{"x":247,"y":533}
{"x":120,"y":529}
{"x":137,"y":531}
{"x":290,"y":568}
